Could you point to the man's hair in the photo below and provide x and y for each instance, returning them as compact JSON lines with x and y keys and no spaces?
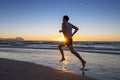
{"x":66,"y":17}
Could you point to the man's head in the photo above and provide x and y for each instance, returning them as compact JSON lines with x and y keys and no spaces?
{"x":65,"y":18}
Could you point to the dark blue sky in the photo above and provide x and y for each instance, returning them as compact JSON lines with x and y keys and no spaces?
{"x":35,"y":19}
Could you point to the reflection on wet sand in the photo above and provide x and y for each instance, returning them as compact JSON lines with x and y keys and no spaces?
{"x":64,"y":68}
{"x":64,"y":65}
{"x":83,"y":72}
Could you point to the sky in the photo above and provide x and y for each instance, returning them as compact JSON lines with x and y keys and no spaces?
{"x":97,"y":20}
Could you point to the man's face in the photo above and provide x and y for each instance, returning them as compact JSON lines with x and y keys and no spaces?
{"x":64,"y":20}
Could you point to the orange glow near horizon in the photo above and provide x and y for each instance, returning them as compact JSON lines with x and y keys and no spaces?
{"x":61,"y":38}
{"x":96,"y":38}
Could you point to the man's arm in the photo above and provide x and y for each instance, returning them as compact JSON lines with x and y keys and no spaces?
{"x":76,"y":29}
{"x":63,"y":28}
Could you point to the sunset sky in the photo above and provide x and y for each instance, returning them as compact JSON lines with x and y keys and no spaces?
{"x":98,"y":20}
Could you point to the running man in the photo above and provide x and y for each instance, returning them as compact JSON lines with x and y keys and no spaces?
{"x":67,"y":32}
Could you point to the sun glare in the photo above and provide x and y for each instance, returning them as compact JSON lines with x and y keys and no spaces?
{"x":61,"y":39}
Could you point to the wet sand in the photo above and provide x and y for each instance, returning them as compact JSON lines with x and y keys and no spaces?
{"x":19,"y":70}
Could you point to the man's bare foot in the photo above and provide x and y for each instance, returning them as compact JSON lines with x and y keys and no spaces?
{"x":83,"y":64}
{"x":62,"y":59}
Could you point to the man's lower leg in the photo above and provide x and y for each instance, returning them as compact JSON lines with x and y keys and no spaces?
{"x":80,"y":58}
{"x":62,"y":53}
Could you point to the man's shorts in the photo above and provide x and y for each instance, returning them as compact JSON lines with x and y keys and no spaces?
{"x":68,"y":41}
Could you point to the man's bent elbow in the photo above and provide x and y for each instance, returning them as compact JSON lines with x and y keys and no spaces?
{"x":77,"y":28}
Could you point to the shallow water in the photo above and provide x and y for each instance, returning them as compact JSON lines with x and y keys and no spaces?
{"x":102,"y":66}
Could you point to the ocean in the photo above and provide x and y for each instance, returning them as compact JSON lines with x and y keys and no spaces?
{"x":103,"y":58}
{"x":99,"y":47}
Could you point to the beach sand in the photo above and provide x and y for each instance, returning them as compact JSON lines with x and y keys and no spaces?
{"x":19,"y":70}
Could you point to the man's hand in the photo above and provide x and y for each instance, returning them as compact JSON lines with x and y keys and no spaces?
{"x":60,"y":31}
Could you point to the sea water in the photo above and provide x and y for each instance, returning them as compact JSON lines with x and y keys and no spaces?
{"x":99,"y":47}
{"x":102,"y":66}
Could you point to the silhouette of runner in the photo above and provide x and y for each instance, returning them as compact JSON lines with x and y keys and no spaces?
{"x":67,"y":32}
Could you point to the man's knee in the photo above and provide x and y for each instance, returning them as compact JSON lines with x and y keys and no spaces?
{"x":73,"y":51}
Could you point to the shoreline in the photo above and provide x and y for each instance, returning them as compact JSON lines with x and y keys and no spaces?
{"x":89,"y":51}
{"x":20,"y":70}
